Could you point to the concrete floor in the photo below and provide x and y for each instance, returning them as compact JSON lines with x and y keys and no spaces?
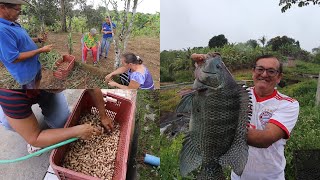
{"x":13,"y":146}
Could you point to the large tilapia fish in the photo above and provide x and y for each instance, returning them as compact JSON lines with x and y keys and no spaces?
{"x":217,"y":129}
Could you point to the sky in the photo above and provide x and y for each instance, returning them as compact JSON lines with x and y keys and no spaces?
{"x":188,"y":23}
{"x":144,"y":6}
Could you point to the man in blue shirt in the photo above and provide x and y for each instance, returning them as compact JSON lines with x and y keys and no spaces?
{"x":18,"y":51}
{"x":108,"y":33}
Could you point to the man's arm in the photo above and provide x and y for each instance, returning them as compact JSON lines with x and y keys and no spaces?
{"x":25,"y":55}
{"x":29,"y":129}
{"x":265,"y":138}
{"x":97,"y":97}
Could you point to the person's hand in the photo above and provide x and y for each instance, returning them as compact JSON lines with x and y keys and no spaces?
{"x":107,"y":124}
{"x":86,"y":131}
{"x":108,"y":78}
{"x":112,"y":83}
{"x":46,"y":48}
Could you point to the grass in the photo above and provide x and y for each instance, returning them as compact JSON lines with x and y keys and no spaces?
{"x":49,"y":59}
{"x":149,"y":136}
{"x":7,"y":80}
{"x":304,"y":68}
{"x":169,"y":155}
{"x":169,"y":99}
{"x":304,"y":135}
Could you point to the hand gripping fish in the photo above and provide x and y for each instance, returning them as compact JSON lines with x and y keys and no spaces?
{"x":219,"y":114}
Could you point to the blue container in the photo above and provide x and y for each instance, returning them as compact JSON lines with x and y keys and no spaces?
{"x":152,"y":160}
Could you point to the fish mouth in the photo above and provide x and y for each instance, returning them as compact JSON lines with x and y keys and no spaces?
{"x":209,"y":72}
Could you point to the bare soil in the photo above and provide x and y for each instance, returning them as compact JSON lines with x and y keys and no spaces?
{"x":87,"y":75}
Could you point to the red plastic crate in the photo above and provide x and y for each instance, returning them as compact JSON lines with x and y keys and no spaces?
{"x":121,"y":110}
{"x":63,"y":73}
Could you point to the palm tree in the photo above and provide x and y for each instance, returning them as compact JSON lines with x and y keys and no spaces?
{"x":263,"y":41}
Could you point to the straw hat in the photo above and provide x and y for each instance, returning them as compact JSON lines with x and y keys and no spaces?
{"x":14,"y":2}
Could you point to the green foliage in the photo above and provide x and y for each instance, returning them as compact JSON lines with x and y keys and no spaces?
{"x":286,"y":4}
{"x":94,"y":17}
{"x":44,"y":10}
{"x":177,"y":66}
{"x":307,"y":128}
{"x":289,"y":50}
{"x":304,"y":92}
{"x":78,"y":24}
{"x":317,"y":58}
{"x":253,"y":43}
{"x":169,"y":155}
{"x":48,"y":13}
{"x":218,"y":41}
{"x":303,"y":68}
{"x":49,"y":59}
{"x":316,"y":55}
{"x":149,"y":136}
{"x":278,"y":41}
{"x":169,"y":99}
{"x":263,"y":40}
{"x":146,"y":25}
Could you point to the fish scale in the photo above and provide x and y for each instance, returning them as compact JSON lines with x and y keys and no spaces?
{"x":217,"y":131}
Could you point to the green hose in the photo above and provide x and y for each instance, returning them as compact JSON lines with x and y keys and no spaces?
{"x":39,"y":152}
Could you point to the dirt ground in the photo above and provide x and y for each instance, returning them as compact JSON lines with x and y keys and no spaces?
{"x":87,"y":75}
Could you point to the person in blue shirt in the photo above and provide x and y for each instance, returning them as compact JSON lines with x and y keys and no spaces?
{"x":18,"y":51}
{"x":107,"y":37}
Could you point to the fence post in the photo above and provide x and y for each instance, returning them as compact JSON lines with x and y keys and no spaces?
{"x":318,"y":92}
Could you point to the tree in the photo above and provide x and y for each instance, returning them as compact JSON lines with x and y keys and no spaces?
{"x":121,"y":37}
{"x":316,"y":50}
{"x":63,"y":16}
{"x":41,"y":9}
{"x":263,"y":41}
{"x":66,"y":7}
{"x":218,"y":41}
{"x":253,"y":43}
{"x":278,"y":41}
{"x":286,"y":4}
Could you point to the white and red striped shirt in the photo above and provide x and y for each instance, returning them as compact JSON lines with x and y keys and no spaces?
{"x":269,"y":163}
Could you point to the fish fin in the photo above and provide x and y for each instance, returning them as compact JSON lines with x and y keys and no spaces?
{"x":186,"y":91}
{"x":213,"y":172}
{"x":237,"y":155}
{"x":186,"y":103}
{"x":190,"y":156}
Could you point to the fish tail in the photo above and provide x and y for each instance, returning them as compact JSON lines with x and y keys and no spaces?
{"x":211,"y":173}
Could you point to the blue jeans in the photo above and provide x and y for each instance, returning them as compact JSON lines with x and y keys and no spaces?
{"x":105,"y":44}
{"x":54,"y":109}
{"x":33,"y":84}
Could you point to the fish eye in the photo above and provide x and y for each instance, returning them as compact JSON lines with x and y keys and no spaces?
{"x":218,"y":66}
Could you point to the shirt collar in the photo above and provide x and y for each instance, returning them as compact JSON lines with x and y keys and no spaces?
{"x":260,"y":99}
{"x":10,"y":23}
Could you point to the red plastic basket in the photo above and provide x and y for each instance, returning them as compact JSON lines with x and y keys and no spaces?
{"x":122,"y":111}
{"x":61,"y":73}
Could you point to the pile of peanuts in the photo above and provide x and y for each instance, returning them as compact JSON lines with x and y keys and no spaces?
{"x":94,"y":157}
